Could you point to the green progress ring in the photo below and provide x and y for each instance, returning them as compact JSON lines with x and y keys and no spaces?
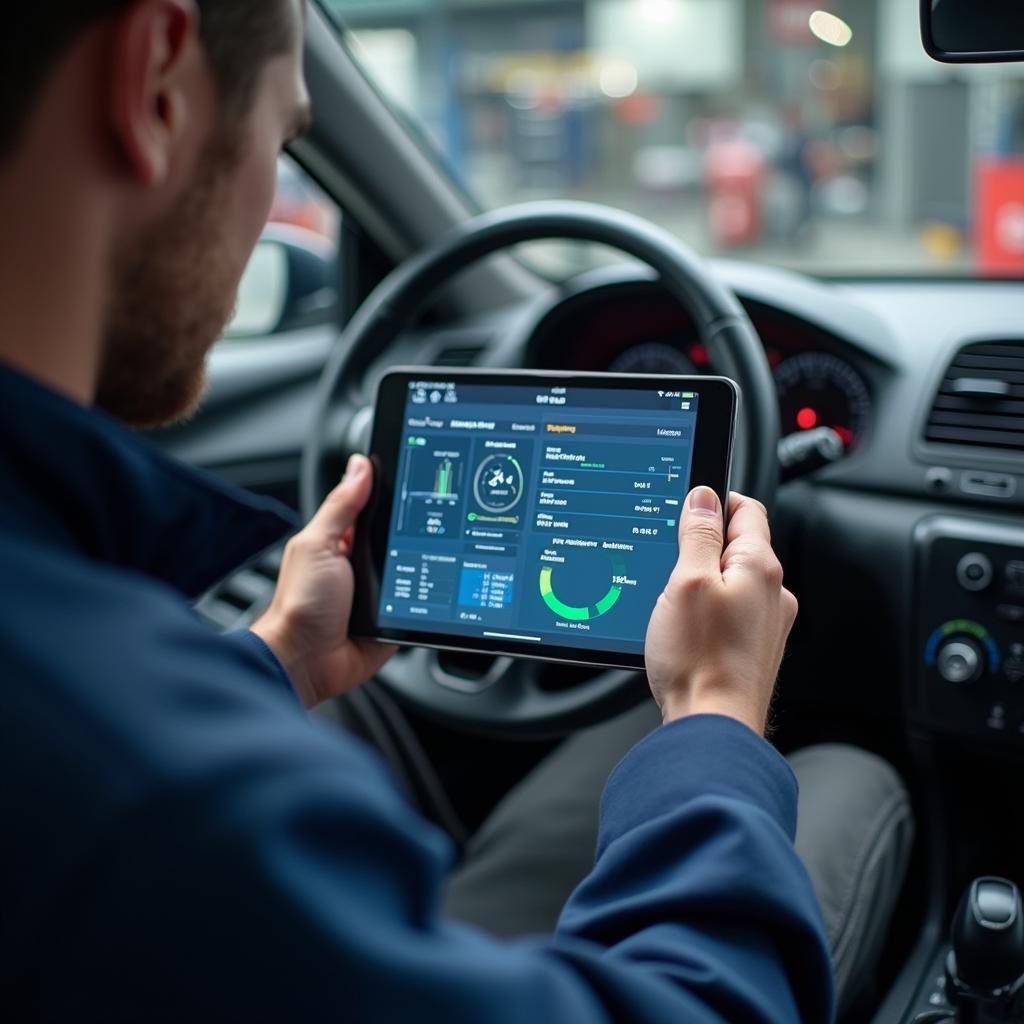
{"x":582,"y":614}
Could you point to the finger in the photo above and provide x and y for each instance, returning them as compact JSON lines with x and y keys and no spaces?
{"x":700,"y":534}
{"x":748,"y":519}
{"x":343,"y":505}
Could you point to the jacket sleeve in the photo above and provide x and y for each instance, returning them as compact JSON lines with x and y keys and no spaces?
{"x":268,"y":869}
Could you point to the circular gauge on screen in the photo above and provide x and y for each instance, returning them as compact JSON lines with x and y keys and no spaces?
{"x":820,"y":390}
{"x":653,"y":357}
{"x":498,"y":484}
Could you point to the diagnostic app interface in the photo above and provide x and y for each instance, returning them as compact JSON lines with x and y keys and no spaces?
{"x":535,"y":514}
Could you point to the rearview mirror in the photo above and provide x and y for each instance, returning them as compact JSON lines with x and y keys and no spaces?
{"x":290,"y":283}
{"x":973,"y":31}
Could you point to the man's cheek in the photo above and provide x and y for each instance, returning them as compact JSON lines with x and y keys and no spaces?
{"x":252,"y":210}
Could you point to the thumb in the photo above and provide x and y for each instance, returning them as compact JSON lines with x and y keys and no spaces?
{"x":701,"y":534}
{"x":342,"y":506}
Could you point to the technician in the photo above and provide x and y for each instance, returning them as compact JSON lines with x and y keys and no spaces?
{"x":181,"y":841}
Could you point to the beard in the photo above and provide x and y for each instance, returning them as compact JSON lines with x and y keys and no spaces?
{"x":174,"y":291}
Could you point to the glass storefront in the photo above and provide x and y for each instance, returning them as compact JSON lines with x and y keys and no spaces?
{"x":818,"y":136}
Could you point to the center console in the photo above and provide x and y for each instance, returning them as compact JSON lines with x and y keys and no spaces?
{"x":969,"y":643}
{"x":965,"y":707}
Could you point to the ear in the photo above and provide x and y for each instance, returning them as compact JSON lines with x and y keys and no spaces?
{"x":154,"y":47}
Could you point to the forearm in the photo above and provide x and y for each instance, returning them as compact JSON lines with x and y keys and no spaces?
{"x":696,"y":875}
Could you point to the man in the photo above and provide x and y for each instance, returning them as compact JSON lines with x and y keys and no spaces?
{"x":182,"y":842}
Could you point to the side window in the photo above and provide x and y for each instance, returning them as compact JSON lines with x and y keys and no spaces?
{"x":291,"y":280}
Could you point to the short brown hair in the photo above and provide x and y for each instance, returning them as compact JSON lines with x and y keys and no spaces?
{"x":239,"y":37}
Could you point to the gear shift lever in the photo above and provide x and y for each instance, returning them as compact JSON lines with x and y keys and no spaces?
{"x":985,"y":970}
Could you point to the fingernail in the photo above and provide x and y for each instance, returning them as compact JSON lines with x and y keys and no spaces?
{"x":356,"y":467}
{"x":704,"y":502}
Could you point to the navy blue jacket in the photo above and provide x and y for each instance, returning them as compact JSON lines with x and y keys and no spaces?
{"x":181,"y":842}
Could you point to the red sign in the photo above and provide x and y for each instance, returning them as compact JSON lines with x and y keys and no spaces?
{"x":789,"y":21}
{"x":999,"y":216}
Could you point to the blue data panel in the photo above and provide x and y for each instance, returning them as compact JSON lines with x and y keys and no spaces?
{"x":548,"y":514}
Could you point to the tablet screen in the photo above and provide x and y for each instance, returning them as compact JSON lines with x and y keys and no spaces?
{"x":525,"y":514}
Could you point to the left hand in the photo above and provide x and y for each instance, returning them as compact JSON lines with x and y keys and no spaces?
{"x":306,"y":624}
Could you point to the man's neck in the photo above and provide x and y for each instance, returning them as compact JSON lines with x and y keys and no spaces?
{"x":52,"y":272}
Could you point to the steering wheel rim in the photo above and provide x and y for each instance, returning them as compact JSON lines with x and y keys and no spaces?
{"x":724,"y":329}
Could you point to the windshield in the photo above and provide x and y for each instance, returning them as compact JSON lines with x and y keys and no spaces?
{"x":812,"y":135}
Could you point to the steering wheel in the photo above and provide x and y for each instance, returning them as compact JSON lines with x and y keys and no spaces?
{"x":509,"y":696}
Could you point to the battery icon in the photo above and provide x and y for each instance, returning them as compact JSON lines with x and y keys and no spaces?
{"x":689,"y":394}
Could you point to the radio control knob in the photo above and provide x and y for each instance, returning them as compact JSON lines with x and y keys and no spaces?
{"x":960,"y":661}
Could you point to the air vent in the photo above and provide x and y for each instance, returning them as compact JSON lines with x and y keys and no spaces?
{"x":981,"y":401}
{"x":241,"y":598}
{"x":458,"y":355}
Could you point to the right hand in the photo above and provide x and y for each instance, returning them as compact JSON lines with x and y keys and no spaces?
{"x":718,"y":632}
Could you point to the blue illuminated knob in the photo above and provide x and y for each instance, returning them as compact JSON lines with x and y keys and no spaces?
{"x":960,"y":661}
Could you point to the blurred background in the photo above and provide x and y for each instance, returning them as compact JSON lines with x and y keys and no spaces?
{"x":810,"y":134}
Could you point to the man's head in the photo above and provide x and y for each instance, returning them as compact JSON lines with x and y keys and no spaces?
{"x":186,"y":105}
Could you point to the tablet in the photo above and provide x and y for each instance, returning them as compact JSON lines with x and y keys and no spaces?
{"x":532,"y":514}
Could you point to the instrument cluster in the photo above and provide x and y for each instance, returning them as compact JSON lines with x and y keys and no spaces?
{"x":639,"y":329}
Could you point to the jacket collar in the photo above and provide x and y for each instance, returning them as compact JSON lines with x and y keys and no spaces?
{"x":76,"y":476}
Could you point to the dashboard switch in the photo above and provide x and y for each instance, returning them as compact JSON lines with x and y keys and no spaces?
{"x":960,"y":661}
{"x":974,"y":571}
{"x":1010,"y":612}
{"x":1015,"y":577}
{"x":1013,"y":670}
{"x":988,"y":485}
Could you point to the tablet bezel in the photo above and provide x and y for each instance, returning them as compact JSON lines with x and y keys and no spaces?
{"x":713,"y":443}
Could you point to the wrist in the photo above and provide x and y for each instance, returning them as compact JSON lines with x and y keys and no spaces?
{"x":276,"y":636}
{"x":708,"y":699}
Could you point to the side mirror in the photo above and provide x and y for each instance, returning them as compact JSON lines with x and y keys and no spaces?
{"x":290,"y":283}
{"x":973,"y":31}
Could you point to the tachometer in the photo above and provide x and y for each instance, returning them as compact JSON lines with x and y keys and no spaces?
{"x":820,"y":390}
{"x":653,"y":357}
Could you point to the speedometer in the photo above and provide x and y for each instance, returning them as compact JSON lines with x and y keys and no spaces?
{"x":653,"y":357}
{"x":820,"y":390}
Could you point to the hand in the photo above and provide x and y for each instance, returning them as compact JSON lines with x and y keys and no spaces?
{"x":306,"y":624}
{"x":717,"y":636}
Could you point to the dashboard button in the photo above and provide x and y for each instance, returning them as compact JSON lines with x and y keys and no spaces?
{"x":939,"y":480}
{"x":996,"y":718}
{"x":974,"y":571}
